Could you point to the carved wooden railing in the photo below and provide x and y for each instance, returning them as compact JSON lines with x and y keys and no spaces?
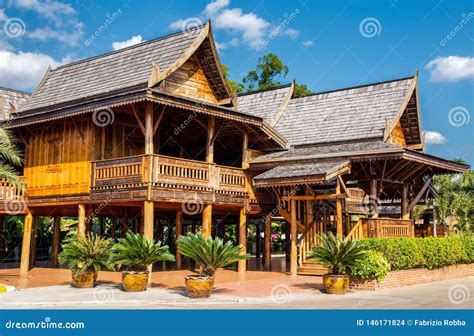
{"x":167,"y":172}
{"x":125,"y":172}
{"x":12,"y":199}
{"x":9,"y":192}
{"x":387,"y":227}
{"x":308,"y":240}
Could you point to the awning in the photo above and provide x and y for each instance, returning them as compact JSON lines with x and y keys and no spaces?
{"x":294,"y":174}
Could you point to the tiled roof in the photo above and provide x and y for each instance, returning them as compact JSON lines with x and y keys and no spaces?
{"x":264,"y":104}
{"x":128,"y":67}
{"x":321,"y":169}
{"x":10,"y":96}
{"x":347,"y":114}
{"x":328,"y":150}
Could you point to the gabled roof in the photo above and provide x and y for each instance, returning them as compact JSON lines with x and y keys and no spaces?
{"x":10,"y":101}
{"x":354,"y":113}
{"x":139,"y":66}
{"x":294,"y":173}
{"x":266,"y":104}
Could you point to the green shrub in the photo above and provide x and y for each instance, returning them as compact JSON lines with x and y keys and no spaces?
{"x":430,"y":252}
{"x":374,"y":266}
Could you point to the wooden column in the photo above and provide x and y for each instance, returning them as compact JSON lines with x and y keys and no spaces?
{"x":179,"y":232}
{"x":339,"y":228}
{"x":211,"y":124}
{"x":268,"y":244}
{"x":404,"y":202}
{"x":34,"y":239}
{"x":373,"y":201}
{"x":258,"y":239}
{"x":148,"y":212}
{"x":2,"y":220}
{"x":294,"y":248}
{"x":56,"y":238}
{"x":149,"y":128}
{"x":242,"y":264}
{"x":207,"y":220}
{"x":245,"y":145}
{"x":26,"y":244}
{"x":81,"y":220}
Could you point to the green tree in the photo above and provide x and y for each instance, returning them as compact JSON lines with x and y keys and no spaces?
{"x":301,"y":90}
{"x":269,"y":68}
{"x":10,"y":157}
{"x":455,"y":198}
{"x":235,"y":87}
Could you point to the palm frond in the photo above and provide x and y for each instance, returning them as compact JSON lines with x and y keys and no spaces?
{"x":338,"y":253}
{"x":136,"y":252}
{"x":210,"y":253}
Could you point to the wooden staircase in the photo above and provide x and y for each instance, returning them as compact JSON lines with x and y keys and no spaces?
{"x":312,"y":268}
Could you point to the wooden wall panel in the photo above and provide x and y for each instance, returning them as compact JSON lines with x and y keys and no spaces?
{"x":397,"y":137}
{"x":57,"y":158}
{"x":189,"y":81}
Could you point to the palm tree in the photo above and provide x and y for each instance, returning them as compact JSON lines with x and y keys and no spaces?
{"x":210,"y":253}
{"x":338,"y":253}
{"x":136,"y":252}
{"x":10,"y":156}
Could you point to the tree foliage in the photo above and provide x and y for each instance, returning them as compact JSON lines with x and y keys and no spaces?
{"x":267,"y":74}
{"x":10,"y":157}
{"x":456,"y":199}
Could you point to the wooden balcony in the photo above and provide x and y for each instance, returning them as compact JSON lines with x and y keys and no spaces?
{"x":387,"y":228}
{"x":164,"y":177}
{"x":12,"y":199}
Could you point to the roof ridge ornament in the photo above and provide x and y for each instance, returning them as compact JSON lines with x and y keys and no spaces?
{"x":155,"y":75}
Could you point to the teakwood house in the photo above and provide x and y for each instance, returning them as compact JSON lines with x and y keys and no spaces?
{"x":151,"y":134}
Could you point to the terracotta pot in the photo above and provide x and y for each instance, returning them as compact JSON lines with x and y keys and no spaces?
{"x":336,"y":284}
{"x":85,"y":279}
{"x":199,"y":286}
{"x":135,"y":281}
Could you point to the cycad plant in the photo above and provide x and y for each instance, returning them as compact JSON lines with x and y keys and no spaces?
{"x":338,"y":253}
{"x":136,"y":252}
{"x":86,"y":253}
{"x":209,"y":253}
{"x":10,"y":156}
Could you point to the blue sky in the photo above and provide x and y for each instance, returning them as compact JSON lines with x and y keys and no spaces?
{"x":326,"y":44}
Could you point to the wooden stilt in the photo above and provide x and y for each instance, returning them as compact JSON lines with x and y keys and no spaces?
{"x":81,"y":220}
{"x":404,"y":205}
{"x":148,"y":212}
{"x":179,"y":232}
{"x":294,"y":247}
{"x":242,"y":264}
{"x":34,"y":240}
{"x":2,"y":220}
{"x":258,"y":239}
{"x":268,"y":244}
{"x":26,"y":245}
{"x":56,"y":238}
{"x":207,"y":220}
{"x":373,"y":206}
{"x":339,"y":228}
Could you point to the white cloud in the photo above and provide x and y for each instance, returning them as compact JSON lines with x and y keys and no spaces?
{"x":252,"y":27}
{"x":292,"y":33}
{"x":308,"y":43}
{"x":24,"y":70}
{"x":214,"y":7}
{"x":451,"y":68}
{"x":123,"y":44}
{"x":247,"y":27}
{"x":70,"y":38}
{"x":434,"y":138}
{"x":49,"y":9}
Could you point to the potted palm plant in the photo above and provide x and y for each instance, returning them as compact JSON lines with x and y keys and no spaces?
{"x":134,"y":253}
{"x":86,"y":256}
{"x":340,"y":254}
{"x":209,"y":254}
